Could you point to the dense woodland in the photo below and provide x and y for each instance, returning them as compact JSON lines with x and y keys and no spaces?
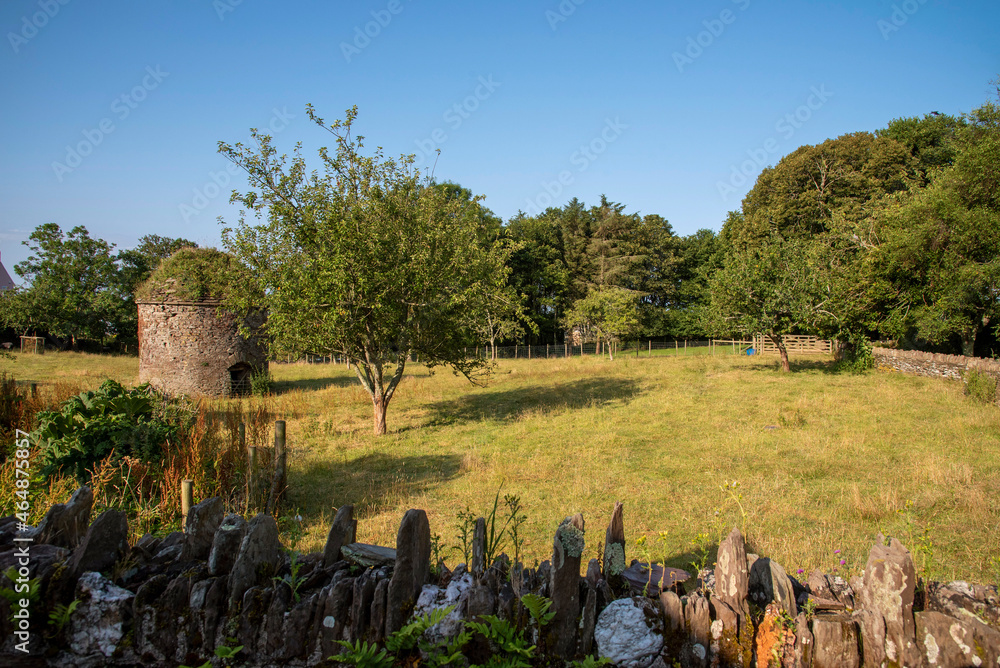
{"x":888,"y":235}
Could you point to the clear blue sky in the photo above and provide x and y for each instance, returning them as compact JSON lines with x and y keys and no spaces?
{"x":147,"y":89}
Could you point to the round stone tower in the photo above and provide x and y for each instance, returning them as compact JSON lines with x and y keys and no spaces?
{"x":189,"y":344}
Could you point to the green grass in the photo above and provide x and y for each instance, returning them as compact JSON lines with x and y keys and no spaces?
{"x":824,"y":461}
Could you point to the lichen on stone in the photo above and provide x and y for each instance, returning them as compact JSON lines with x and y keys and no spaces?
{"x":571,"y":539}
{"x":615,"y":556}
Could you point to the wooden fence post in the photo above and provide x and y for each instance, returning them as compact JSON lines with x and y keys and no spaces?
{"x":187,"y":500}
{"x":280,"y":472}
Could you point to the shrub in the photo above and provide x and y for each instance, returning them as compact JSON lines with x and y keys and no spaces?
{"x":980,"y":386}
{"x":109,"y":422}
{"x":261,"y":383}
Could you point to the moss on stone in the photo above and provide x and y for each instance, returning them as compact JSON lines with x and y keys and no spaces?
{"x":189,"y":275}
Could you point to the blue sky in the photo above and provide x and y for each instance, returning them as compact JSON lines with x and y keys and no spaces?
{"x":113,"y":110}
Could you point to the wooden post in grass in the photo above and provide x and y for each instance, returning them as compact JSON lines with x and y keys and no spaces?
{"x":280,"y":473}
{"x":675,"y":345}
{"x":187,"y":500}
{"x":650,"y":342}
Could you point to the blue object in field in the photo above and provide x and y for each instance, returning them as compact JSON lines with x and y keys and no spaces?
{"x":750,"y":351}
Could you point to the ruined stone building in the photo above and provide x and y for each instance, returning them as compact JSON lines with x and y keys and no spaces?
{"x":188,"y":343}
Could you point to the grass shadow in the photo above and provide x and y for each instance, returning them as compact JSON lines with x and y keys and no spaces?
{"x":373,"y":482}
{"x":507,"y":405}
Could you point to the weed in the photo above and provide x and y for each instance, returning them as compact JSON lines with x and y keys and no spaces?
{"x":363,"y":655}
{"x":980,"y":386}
{"x":292,"y":579}
{"x":23,"y":589}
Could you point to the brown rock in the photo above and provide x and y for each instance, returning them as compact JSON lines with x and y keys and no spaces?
{"x":889,"y":585}
{"x":835,"y":641}
{"x":731,"y":573}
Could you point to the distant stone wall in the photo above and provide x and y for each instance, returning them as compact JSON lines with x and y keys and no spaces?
{"x":934,"y":364}
{"x":190,"y":347}
{"x":227,"y":581}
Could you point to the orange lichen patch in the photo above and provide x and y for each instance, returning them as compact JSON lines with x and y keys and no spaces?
{"x":770,"y":639}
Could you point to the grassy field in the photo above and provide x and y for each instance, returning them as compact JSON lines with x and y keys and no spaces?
{"x":824,"y":461}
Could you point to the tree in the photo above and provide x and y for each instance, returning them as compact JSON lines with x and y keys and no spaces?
{"x":70,"y":277}
{"x":768,"y":288}
{"x":364,"y":259}
{"x":611,"y":314}
{"x":941,"y":251}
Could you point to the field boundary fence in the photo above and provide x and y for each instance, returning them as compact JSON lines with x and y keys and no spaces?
{"x":759,"y":345}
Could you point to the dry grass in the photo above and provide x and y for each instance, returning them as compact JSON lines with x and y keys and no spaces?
{"x":824,"y":460}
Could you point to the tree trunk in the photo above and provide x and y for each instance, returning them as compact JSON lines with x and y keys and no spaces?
{"x":779,"y":343}
{"x":380,"y":405}
{"x":969,"y":343}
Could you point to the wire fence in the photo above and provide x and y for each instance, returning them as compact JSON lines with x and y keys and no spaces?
{"x":639,"y":348}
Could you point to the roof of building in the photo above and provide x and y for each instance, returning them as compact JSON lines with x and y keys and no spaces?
{"x":6,"y":283}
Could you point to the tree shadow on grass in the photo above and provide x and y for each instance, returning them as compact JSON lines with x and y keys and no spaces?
{"x":372,"y":483}
{"x":311,"y":384}
{"x":508,"y":405}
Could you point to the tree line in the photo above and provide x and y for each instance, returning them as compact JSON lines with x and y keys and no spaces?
{"x":892,"y":234}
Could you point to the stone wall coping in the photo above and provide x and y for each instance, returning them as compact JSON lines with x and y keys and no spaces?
{"x":206,"y":302}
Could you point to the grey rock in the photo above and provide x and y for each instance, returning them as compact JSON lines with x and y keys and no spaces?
{"x":361,"y":607}
{"x":835,"y":643}
{"x":65,"y":524}
{"x":433,"y":597}
{"x":99,"y":621}
{"x":368,"y":556}
{"x":588,"y":621}
{"x":298,"y":623}
{"x":731,"y":573}
{"x":147,"y":546}
{"x":226,"y":545}
{"x":273,"y":640}
{"x":105,"y":543}
{"x":769,"y":582}
{"x":259,"y":557}
{"x":413,"y":561}
{"x":203,"y":521}
{"x":482,"y":601}
{"x":378,"y":609}
{"x":342,"y":532}
{"x":699,"y":623}
{"x":564,"y":585}
{"x":166,"y":555}
{"x":725,"y":633}
{"x":627,"y":634}
{"x":477,"y":564}
{"x":889,"y":586}
{"x":256,"y":602}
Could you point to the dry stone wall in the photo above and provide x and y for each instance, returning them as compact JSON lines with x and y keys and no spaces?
{"x":161,"y":602}
{"x":194,"y":347}
{"x":934,"y":364}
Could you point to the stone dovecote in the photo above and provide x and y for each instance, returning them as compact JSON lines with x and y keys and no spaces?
{"x":193,"y":346}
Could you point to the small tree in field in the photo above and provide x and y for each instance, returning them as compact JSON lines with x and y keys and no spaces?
{"x":610,"y":313}
{"x":768,"y":288}
{"x":364,"y":259}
